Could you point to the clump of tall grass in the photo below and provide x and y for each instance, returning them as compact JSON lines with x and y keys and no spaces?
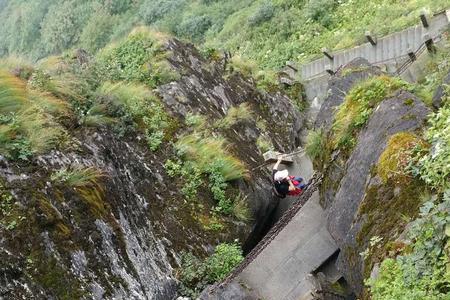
{"x":206,"y":151}
{"x":78,"y":176}
{"x":240,"y":208}
{"x":12,"y":93}
{"x":315,"y":144}
{"x":235,"y":115}
{"x":26,"y":123}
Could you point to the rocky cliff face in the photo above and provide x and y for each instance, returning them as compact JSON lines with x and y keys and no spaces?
{"x":120,"y":236}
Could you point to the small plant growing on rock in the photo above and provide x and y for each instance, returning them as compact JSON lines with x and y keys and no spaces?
{"x":235,"y":115}
{"x":78,"y":176}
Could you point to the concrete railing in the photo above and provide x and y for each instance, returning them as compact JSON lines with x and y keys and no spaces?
{"x":379,"y":51}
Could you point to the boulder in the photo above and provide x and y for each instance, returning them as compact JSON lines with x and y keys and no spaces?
{"x":402,"y":112}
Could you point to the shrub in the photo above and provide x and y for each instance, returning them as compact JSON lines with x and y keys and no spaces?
{"x":433,"y":164}
{"x":263,"y":14}
{"x":60,"y":28}
{"x":321,"y":11}
{"x":152,"y":11}
{"x":98,"y":30}
{"x":136,"y":102}
{"x":193,"y":27}
{"x":117,"y":6}
{"x":189,"y":174}
{"x":139,"y":58}
{"x":196,"y":274}
{"x":243,"y":66}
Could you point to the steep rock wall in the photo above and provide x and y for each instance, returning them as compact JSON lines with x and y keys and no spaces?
{"x":120,"y":239}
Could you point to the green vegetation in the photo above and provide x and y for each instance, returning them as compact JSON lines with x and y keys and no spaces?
{"x":395,"y":159}
{"x":86,"y":181}
{"x":433,"y":164}
{"x":196,"y":274}
{"x":26,"y":122}
{"x":358,"y":106}
{"x":270,"y":32}
{"x":136,"y":107}
{"x":139,"y":58}
{"x":421,"y":271}
{"x":315,"y":144}
{"x":78,"y":176}
{"x":234,"y":115}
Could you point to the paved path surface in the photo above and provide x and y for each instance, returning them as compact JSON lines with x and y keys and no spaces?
{"x":280,"y":271}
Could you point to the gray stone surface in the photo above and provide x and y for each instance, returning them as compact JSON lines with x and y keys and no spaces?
{"x":279,"y":271}
{"x":393,"y":115}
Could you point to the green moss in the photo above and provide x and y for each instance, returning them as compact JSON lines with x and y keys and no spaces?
{"x":385,"y":210}
{"x":394,"y":160}
{"x":48,"y":273}
{"x":408,"y":102}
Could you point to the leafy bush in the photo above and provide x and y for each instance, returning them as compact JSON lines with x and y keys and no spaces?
{"x":196,"y":274}
{"x":136,"y":103}
{"x":187,"y":173}
{"x":433,"y":165}
{"x":152,"y":11}
{"x":321,"y":11}
{"x":98,"y":30}
{"x":60,"y":26}
{"x":117,"y":6}
{"x":194,"y":27}
{"x":263,"y":14}
{"x":139,"y":58}
{"x":421,"y":272}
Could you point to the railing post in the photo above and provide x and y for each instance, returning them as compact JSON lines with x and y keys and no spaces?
{"x":329,"y":69}
{"x":327,"y":53}
{"x":423,"y":19}
{"x":411,"y":54}
{"x":372,"y":39}
{"x":429,"y":43}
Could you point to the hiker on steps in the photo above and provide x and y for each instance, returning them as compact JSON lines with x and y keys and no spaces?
{"x":283,"y":184}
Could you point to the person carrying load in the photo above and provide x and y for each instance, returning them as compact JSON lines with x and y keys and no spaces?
{"x":283,"y":184}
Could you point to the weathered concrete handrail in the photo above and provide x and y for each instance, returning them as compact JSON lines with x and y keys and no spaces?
{"x":380,"y":50}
